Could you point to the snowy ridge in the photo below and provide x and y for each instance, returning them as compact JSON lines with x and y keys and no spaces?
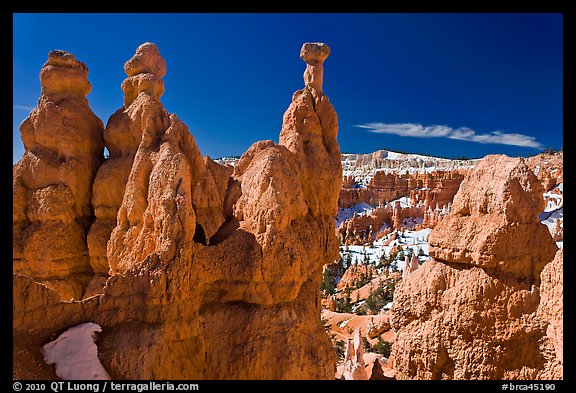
{"x":227,"y":160}
{"x":363,"y":166}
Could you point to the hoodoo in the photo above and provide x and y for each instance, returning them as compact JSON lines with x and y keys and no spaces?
{"x":203,"y":271}
{"x":52,"y":183}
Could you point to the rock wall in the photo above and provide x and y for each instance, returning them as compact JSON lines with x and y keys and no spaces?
{"x":204,"y":271}
{"x":472,"y":310}
{"x":432,"y":188}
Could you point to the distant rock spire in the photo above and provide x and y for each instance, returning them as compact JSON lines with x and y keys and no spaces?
{"x":354,"y":366}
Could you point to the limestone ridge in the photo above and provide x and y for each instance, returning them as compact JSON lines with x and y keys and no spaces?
{"x":485,"y":306}
{"x":52,"y":182}
{"x":203,"y":270}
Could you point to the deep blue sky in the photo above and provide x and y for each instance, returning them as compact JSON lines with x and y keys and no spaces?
{"x":231,"y":76}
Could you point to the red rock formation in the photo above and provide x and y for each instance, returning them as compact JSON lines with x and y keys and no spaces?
{"x":392,"y":237}
{"x":430,"y":194}
{"x":211,"y":269}
{"x":379,"y":326}
{"x":309,"y":130}
{"x":132,"y":129}
{"x":362,"y":228}
{"x":470,"y":312}
{"x":354,"y":274}
{"x":52,"y":182}
{"x":438,"y":187}
{"x":410,"y":265}
{"x":354,"y":366}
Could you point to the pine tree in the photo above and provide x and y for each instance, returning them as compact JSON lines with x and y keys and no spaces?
{"x":327,"y":283}
{"x":348,"y":260}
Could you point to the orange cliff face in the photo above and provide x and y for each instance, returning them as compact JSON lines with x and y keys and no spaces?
{"x":485,"y":306}
{"x":198,"y":270}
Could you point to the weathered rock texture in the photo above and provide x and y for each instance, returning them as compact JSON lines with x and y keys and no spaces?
{"x":214,"y":272}
{"x":551,"y":311}
{"x":471,"y":311}
{"x":52,"y":182}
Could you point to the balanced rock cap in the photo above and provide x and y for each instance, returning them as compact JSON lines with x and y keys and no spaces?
{"x":314,"y":52}
{"x":61,"y":58}
{"x":63,"y":74}
{"x":146,"y":60}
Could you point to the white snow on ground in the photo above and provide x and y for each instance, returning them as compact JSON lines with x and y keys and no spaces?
{"x":556,"y":199}
{"x":554,"y":210}
{"x":553,"y":203}
{"x":75,"y":354}
{"x":549,"y":219}
{"x":346,"y":213}
{"x":344,"y":323}
{"x":364,"y":208}
{"x":415,"y":240}
{"x":404,"y":201}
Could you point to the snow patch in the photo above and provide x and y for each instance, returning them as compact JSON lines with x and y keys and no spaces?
{"x":75,"y":354}
{"x":344,"y":323}
{"x":346,"y":213}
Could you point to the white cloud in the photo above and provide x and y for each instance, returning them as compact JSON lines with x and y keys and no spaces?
{"x":463,"y":134}
{"x":23,"y":107}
